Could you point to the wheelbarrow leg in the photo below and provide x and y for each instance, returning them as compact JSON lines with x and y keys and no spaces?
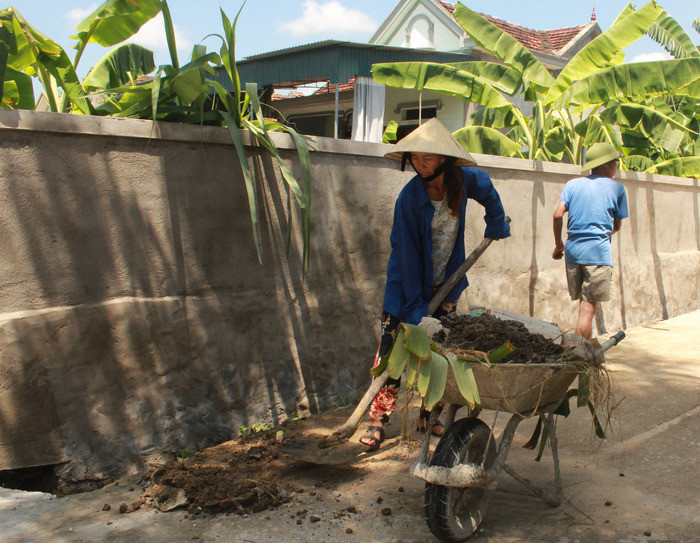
{"x":551,"y":499}
{"x":450,"y":414}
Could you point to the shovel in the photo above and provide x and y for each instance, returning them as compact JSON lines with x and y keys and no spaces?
{"x":350,"y":427}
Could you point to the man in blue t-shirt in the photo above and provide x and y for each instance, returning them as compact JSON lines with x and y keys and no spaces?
{"x":596,"y":205}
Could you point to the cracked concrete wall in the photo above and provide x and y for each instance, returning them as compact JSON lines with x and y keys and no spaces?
{"x":137,"y":318}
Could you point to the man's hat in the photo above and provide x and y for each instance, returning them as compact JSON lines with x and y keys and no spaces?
{"x":434,"y":138}
{"x":599,"y":154}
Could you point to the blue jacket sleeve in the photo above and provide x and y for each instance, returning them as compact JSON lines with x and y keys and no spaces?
{"x":404,"y":297}
{"x":480,"y":188}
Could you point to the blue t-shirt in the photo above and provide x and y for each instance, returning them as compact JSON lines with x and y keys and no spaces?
{"x":593,"y":203}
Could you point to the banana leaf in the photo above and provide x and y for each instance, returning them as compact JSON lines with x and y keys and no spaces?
{"x":438,"y":376}
{"x":115,"y":21}
{"x":399,"y":356}
{"x":504,"y":46}
{"x":16,"y":90}
{"x":488,"y":141}
{"x":605,"y":50}
{"x":31,"y":50}
{"x":464,"y":377}
{"x":494,"y":118}
{"x":120,"y":66}
{"x":637,"y":163}
{"x":639,"y":79}
{"x":389,"y":135}
{"x":417,"y":340}
{"x":688,"y":166}
{"x":439,"y":78}
{"x":670,"y":35}
{"x":502,"y":78}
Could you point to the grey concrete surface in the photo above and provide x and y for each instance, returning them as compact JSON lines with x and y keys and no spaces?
{"x":638,"y":485}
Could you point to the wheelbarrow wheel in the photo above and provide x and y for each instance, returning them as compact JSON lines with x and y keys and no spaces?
{"x":454,"y":514}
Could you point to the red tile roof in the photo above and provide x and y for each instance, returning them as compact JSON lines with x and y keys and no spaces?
{"x":545,"y":41}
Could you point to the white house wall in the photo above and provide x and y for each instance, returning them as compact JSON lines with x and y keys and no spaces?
{"x":416,"y":17}
{"x":453,"y":113}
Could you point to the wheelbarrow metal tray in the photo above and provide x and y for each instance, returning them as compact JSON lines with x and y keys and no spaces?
{"x":515,"y":388}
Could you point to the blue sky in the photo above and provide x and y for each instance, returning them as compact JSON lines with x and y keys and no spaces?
{"x":267,"y":25}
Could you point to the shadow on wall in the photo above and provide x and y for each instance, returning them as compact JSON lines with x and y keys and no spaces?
{"x":148,"y":321}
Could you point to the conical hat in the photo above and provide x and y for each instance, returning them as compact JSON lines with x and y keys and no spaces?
{"x":434,"y":138}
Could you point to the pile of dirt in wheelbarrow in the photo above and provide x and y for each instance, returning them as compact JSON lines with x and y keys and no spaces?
{"x":485,"y":333}
{"x":239,"y":476}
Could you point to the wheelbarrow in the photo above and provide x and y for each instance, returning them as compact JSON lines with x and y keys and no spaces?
{"x":460,"y":475}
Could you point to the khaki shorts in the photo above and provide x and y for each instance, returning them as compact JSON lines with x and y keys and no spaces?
{"x":589,"y":283}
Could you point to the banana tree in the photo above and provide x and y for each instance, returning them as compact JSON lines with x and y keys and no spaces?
{"x":559,"y":124}
{"x":177,"y":93}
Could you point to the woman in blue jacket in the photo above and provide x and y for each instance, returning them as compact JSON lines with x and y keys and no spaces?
{"x":427,"y":244}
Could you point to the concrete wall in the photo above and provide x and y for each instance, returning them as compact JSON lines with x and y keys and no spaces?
{"x":136,"y":316}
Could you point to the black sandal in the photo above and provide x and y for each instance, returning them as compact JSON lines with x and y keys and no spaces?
{"x":370,"y":436}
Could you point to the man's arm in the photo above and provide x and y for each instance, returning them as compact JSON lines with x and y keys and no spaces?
{"x":616,"y":225}
{"x":558,"y":223}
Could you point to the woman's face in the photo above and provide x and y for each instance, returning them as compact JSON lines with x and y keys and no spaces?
{"x":426,"y":163}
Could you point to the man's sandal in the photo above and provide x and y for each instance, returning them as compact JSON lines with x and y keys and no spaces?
{"x":370,"y":440}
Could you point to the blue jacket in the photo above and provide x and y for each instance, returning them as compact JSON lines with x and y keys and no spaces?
{"x":409,"y":284}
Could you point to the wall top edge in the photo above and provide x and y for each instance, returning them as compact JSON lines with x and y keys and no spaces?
{"x":87,"y":125}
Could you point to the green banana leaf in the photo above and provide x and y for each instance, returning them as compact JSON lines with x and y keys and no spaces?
{"x":440,"y":78}
{"x":32,"y":52}
{"x":115,"y":21}
{"x":688,"y":166}
{"x":637,"y":163}
{"x":504,"y":46}
{"x":170,"y":35}
{"x":494,"y":118}
{"x":639,"y":79}
{"x":435,"y":388}
{"x":488,"y":141}
{"x":464,"y":377}
{"x":417,"y":340}
{"x":605,"y":50}
{"x":593,"y":130}
{"x":505,"y":79}
{"x":120,"y":66}
{"x":412,"y":370}
{"x":668,"y":33}
{"x":399,"y":355}
{"x":390,"y":131}
{"x":16,"y":91}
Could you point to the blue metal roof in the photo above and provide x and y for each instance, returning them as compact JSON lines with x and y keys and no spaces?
{"x":334,"y":61}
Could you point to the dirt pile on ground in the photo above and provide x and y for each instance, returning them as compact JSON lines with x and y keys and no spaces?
{"x":240,"y":476}
{"x":485,"y":333}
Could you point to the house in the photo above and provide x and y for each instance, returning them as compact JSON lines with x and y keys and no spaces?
{"x":347,"y":102}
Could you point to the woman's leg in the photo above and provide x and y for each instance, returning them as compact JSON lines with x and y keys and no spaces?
{"x":384,"y":402}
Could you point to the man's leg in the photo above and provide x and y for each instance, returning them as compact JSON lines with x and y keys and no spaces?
{"x":586,"y":312}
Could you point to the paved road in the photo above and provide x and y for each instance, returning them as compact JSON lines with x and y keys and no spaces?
{"x":639,"y":485}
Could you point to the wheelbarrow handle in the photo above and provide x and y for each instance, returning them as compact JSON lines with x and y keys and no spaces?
{"x":448,"y":285}
{"x":614,"y":340}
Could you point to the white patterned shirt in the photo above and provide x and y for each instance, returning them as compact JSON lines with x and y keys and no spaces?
{"x":444,"y":229}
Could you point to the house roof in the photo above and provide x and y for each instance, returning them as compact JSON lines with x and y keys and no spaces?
{"x":331,"y":60}
{"x":544,"y":41}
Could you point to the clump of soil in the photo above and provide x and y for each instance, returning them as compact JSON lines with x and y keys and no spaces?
{"x":239,"y":476}
{"x":485,"y":333}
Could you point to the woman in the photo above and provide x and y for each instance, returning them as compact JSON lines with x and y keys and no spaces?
{"x":427,"y":244}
